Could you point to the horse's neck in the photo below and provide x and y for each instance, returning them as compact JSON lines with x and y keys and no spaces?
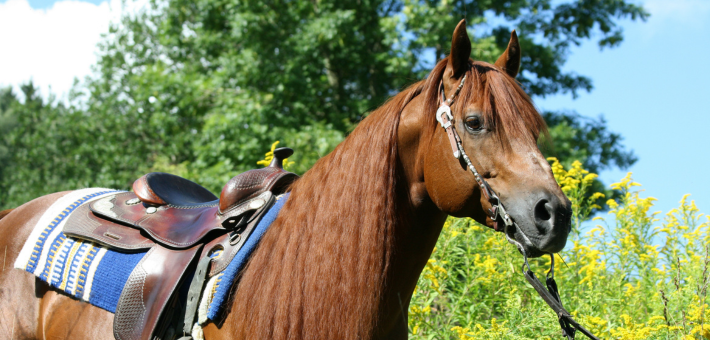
{"x":421,"y":225}
{"x":414,"y":241}
{"x":346,"y":253}
{"x":419,"y":228}
{"x":414,"y":244}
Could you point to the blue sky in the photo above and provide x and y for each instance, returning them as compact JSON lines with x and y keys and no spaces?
{"x":46,"y":4}
{"x":652,"y":89}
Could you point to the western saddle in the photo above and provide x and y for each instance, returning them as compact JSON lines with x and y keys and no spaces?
{"x":181,"y":225}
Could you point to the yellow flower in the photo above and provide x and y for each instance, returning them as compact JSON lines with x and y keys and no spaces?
{"x":269,"y":156}
{"x":612,"y":204}
{"x":463,"y":333}
{"x":590,"y":177}
{"x":597,"y":195}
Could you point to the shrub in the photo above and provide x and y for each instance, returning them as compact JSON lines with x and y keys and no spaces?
{"x":629,"y":275}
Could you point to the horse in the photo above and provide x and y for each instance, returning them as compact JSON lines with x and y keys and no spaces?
{"x":343,"y":257}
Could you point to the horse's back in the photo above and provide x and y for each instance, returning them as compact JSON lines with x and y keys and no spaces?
{"x":29,"y":308}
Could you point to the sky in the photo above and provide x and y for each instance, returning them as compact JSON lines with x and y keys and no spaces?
{"x":652,"y":89}
{"x":50,"y":42}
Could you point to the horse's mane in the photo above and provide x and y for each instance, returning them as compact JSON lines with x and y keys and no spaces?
{"x":321,"y":268}
{"x":319,"y":271}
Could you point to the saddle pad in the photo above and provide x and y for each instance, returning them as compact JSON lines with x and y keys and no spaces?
{"x":82,"y":269}
{"x":97,"y":274}
{"x":219,"y":286}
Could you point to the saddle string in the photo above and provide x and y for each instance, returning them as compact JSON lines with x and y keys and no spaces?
{"x":497,"y":211}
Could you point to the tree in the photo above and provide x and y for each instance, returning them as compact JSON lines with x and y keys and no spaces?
{"x":587,"y":140}
{"x":32,"y":157}
{"x":7,"y":124}
{"x":202,"y":87}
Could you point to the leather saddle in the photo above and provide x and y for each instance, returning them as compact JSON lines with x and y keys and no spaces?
{"x":182,"y":226}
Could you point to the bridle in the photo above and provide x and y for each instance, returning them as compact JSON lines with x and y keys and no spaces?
{"x":445,"y":118}
{"x":499,"y":215}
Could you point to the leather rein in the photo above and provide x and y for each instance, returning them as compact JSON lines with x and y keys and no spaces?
{"x":548,"y":292}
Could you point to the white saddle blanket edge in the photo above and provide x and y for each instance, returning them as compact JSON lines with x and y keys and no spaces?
{"x":57,"y":211}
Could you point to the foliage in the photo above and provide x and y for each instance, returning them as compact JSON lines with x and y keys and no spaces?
{"x":632,"y":276}
{"x":586,"y":141}
{"x":33,"y":155}
{"x":575,"y":184}
{"x":197,"y":87}
{"x":578,"y":138}
{"x":546,"y":30}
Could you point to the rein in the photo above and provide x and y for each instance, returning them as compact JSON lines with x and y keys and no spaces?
{"x":548,"y":292}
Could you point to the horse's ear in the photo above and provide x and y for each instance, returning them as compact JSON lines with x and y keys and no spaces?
{"x":460,"y":50}
{"x":509,"y":61}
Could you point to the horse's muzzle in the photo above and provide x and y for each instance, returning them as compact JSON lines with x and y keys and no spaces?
{"x":542,"y":223}
{"x":553,"y":222}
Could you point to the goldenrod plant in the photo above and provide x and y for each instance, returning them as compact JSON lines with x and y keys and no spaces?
{"x":626,"y":274}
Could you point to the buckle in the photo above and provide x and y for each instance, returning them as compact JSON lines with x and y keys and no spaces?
{"x":504,"y":215}
{"x":444,"y":109}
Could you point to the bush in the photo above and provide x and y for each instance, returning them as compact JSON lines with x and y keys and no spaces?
{"x":630,"y":276}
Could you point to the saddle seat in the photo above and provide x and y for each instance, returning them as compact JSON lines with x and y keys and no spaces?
{"x":178,"y":213}
{"x":159,"y":188}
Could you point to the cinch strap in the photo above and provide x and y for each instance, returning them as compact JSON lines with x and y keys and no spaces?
{"x":193,"y":296}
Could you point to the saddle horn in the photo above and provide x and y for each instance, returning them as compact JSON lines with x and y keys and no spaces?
{"x":279,"y":155}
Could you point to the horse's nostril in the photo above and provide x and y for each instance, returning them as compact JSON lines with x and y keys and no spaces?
{"x":541,"y":211}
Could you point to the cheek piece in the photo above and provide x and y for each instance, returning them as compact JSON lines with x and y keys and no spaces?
{"x":497,"y":212}
{"x":500,"y":217}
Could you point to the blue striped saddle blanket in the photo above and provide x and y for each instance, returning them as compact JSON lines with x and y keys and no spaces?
{"x":97,"y":274}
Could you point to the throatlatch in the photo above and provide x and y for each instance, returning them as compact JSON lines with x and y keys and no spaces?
{"x":498,"y":214}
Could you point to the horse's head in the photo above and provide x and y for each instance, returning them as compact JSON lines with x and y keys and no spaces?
{"x":498,"y":127}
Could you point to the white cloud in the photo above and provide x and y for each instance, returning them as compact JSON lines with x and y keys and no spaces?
{"x":51,"y":46}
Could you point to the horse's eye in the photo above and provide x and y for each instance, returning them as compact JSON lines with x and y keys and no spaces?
{"x":474,"y":123}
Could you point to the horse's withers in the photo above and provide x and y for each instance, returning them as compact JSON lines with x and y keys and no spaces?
{"x":4,"y":213}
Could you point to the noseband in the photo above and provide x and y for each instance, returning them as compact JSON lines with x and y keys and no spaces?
{"x":500,"y":217}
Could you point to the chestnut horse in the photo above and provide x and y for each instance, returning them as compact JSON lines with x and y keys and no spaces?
{"x":343,"y":257}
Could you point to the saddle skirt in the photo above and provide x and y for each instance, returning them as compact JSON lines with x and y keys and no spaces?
{"x":159,"y":257}
{"x":106,"y":276}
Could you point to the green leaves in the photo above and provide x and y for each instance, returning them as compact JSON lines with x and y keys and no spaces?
{"x":629,"y":277}
{"x":33,"y":149}
{"x":201,"y":86}
{"x":588,"y":140}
